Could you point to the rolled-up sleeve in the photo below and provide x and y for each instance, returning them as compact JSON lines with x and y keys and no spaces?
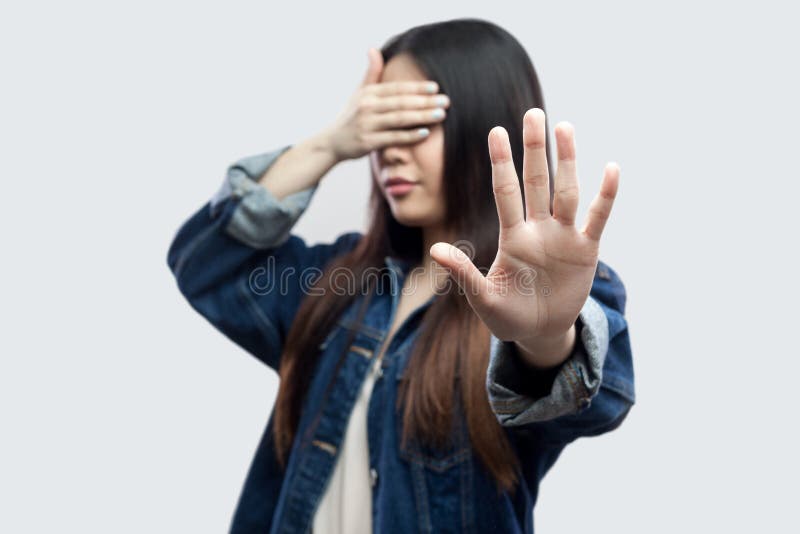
{"x":260,"y":220}
{"x":572,"y":387}
{"x":590,"y":393}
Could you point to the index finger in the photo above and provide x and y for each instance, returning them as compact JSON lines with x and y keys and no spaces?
{"x":405,"y":87}
{"x":505,"y":183}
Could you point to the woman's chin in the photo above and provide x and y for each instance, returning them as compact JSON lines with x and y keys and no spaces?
{"x":412,"y":219}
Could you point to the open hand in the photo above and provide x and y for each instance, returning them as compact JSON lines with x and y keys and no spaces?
{"x":544,"y":267}
{"x":380,"y":114}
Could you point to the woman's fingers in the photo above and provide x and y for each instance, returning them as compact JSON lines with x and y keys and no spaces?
{"x":535,"y":174}
{"x":471,"y":281}
{"x":408,"y":102}
{"x":375,"y":67}
{"x":600,"y":208}
{"x":504,"y":180}
{"x":354,"y":133}
{"x":565,"y":200}
{"x":376,"y":140}
{"x":406,"y":87}
{"x":394,"y":116}
{"x":401,"y":113}
{"x":404,"y":119}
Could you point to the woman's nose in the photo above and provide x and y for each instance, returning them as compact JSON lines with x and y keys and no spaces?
{"x":393,"y":155}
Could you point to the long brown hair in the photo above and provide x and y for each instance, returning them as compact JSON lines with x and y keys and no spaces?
{"x":491,"y":81}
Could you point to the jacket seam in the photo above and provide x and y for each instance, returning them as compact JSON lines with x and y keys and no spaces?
{"x":265,"y":325}
{"x":619,"y":387}
{"x":191,"y":247}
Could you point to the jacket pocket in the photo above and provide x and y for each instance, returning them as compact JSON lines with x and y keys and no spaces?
{"x":337,"y":328}
{"x":439,"y":460}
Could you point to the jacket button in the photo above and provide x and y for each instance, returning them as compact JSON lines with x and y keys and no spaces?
{"x":373,"y":477}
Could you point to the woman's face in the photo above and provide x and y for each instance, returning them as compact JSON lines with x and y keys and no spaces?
{"x":421,"y":162}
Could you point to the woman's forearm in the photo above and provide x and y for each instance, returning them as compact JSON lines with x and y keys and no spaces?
{"x":300,"y":167}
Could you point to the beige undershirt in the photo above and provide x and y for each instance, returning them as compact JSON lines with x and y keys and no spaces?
{"x":346,"y":505}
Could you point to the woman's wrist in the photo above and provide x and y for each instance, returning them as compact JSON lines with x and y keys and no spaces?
{"x":322,"y":143}
{"x":545,"y":353}
{"x":300,"y":167}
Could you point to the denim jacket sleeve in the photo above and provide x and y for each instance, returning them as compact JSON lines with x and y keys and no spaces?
{"x":238,"y":264}
{"x":590,"y":393}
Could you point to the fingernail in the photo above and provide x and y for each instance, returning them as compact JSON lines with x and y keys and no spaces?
{"x":442,"y":100}
{"x":437,"y":113}
{"x":431,"y":87}
{"x":422,"y":132}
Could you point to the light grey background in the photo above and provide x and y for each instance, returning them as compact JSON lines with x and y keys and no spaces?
{"x":124,"y":411}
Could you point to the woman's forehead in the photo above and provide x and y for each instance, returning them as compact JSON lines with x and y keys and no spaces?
{"x":402,"y":68}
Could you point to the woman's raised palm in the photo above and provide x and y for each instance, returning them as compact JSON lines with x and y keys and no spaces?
{"x":545,"y":265}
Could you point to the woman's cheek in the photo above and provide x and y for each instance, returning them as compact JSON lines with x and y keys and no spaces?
{"x":373,"y":164}
{"x":430,"y":155}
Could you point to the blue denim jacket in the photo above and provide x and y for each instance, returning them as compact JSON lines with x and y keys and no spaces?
{"x":219,"y":258}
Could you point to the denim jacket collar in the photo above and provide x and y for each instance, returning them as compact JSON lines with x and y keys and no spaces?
{"x":398,"y":264}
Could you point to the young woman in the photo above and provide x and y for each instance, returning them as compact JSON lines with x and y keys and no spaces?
{"x":433,"y":368}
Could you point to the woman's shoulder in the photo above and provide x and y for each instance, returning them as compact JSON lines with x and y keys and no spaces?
{"x":345,"y":241}
{"x":298,"y":249}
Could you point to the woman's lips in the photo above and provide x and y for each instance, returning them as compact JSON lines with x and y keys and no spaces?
{"x":400,"y":188}
{"x":398,"y":185}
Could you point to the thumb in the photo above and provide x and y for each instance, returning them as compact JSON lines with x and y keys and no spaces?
{"x":460,"y":266}
{"x":375,"y":67}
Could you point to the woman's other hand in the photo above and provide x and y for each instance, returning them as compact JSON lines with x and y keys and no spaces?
{"x":382,"y":114}
{"x":545,"y":266}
